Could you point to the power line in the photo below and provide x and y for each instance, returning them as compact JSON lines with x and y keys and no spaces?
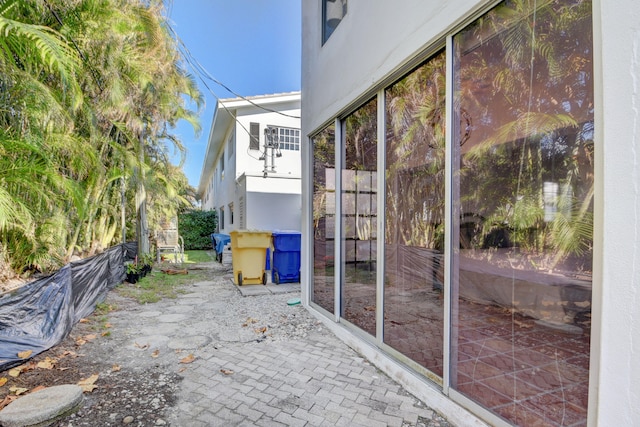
{"x":195,"y":64}
{"x":200,"y":71}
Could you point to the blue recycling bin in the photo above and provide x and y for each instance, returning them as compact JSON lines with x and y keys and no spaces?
{"x":219,"y":241}
{"x":286,"y":256}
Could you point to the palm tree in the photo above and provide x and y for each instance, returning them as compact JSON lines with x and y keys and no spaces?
{"x":90,"y":90}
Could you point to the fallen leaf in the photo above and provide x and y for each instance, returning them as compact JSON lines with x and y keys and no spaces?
{"x":69,"y":353}
{"x":63,"y":369}
{"x":182,"y":369}
{"x":190,"y":358}
{"x":88,"y":384}
{"x":47,"y":363}
{"x":7,"y":399}
{"x":227,"y":371}
{"x":156,"y":353}
{"x":40,"y":387}
{"x":108,"y":325}
{"x":25,"y":354}
{"x":14,"y":372}
{"x":115,"y":368}
{"x":3,"y":381}
{"x":90,"y":337}
{"x":105,"y":334}
{"x":141,"y":346}
{"x":83,"y":320}
{"x":18,"y":390}
{"x":260,"y":330}
{"x":80,"y":342}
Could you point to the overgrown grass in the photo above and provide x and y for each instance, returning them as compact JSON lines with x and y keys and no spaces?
{"x":192,"y":257}
{"x":158,"y":285}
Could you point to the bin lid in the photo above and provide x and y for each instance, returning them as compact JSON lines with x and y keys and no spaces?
{"x":286,"y":240}
{"x":285,"y":232}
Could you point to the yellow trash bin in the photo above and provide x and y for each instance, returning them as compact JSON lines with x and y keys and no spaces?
{"x":249,"y":255}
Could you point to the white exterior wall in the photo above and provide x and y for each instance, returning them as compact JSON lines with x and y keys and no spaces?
{"x":247,"y":160}
{"x":377,"y":38}
{"x":272,"y":203}
{"x":388,"y":34}
{"x":243,"y":171}
{"x":273,"y":211}
{"x":614,"y":397}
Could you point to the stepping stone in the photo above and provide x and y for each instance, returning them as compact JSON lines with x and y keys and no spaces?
{"x":43,"y":407}
{"x":189,"y":343}
{"x":172,"y":318}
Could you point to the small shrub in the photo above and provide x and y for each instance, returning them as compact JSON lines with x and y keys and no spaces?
{"x":196,"y":228}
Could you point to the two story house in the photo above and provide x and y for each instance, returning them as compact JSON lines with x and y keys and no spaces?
{"x":251,"y":170}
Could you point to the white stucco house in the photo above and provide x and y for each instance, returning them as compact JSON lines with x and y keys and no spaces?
{"x":470,"y":209}
{"x":251,"y":169}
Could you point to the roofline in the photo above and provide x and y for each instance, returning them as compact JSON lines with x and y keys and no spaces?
{"x":226,"y":110}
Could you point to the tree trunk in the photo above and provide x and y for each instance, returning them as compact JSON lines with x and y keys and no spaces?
{"x":141,"y":204}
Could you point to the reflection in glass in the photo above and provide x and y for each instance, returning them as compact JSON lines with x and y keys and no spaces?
{"x":324,"y":211}
{"x":414,"y":205}
{"x":358,"y":218}
{"x":523,"y":207}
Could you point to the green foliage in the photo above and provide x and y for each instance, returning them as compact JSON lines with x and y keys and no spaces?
{"x":87,"y":104}
{"x":158,"y":285}
{"x":131,"y":268}
{"x":194,"y":257}
{"x":196,"y":228}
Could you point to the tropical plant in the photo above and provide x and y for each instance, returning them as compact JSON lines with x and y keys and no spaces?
{"x":90,"y":92}
{"x":196,"y":227}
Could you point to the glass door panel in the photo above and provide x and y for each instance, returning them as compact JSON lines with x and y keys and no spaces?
{"x":523,"y":209}
{"x":414,"y":205}
{"x":358,"y":216}
{"x":324,"y":211}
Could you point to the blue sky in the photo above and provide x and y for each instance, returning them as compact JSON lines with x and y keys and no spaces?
{"x":251,"y":46}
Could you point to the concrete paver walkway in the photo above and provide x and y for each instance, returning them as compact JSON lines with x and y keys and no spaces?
{"x":254,"y":360}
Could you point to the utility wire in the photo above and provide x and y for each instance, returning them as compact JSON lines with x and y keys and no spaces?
{"x":195,"y":64}
{"x":201,"y":73}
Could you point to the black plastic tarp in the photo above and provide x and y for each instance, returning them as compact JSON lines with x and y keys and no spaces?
{"x":40,"y":314}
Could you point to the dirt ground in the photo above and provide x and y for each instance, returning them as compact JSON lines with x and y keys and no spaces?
{"x":131,"y":396}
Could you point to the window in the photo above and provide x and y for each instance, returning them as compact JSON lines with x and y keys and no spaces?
{"x":222,"y":165}
{"x":358,"y":217}
{"x":332,"y":13}
{"x":519,"y":214}
{"x":221,"y":217}
{"x":230,"y":213}
{"x":288,"y":138}
{"x":231,"y":145}
{"x":526,"y":143}
{"x":324,"y":218}
{"x":414,"y":220}
{"x":254,"y":136}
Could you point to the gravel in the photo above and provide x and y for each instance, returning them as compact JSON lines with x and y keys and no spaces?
{"x":137,"y":384}
{"x":137,"y":389}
